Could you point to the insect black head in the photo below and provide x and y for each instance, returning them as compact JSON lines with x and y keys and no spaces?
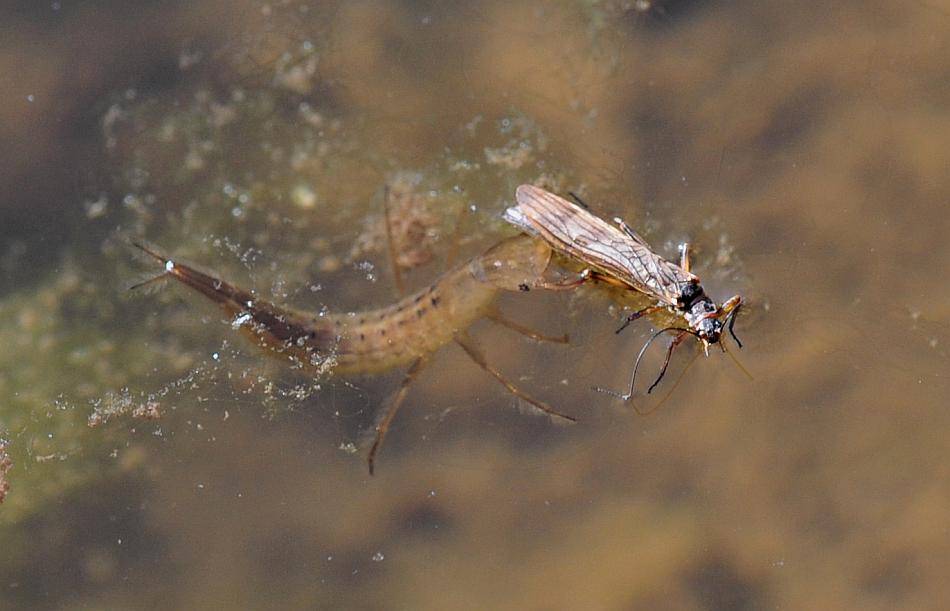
{"x":709,"y":329}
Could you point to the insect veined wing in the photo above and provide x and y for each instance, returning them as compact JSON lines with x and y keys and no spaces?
{"x":646,"y":271}
{"x":517,"y":218}
{"x":575,"y":232}
{"x":538,"y":209}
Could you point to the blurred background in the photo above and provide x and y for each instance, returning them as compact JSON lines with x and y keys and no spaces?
{"x":151,"y":457}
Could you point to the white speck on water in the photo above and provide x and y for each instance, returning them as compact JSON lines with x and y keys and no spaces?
{"x":215,"y":356}
{"x":169,"y":266}
{"x":30,"y":98}
{"x":304,"y":197}
{"x":378,"y":557}
{"x":240,"y":320}
{"x":368,"y":269}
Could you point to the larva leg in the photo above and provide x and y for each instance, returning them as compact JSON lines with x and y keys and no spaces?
{"x":476,"y":354}
{"x":385,"y":419}
{"x":496,"y":317}
{"x":566,"y":284}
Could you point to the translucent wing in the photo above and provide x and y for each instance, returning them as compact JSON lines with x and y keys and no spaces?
{"x":575,"y":232}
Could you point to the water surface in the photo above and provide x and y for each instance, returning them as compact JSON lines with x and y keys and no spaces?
{"x":800,"y":148}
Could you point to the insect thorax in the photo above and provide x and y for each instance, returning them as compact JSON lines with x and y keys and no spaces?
{"x":690,"y":294}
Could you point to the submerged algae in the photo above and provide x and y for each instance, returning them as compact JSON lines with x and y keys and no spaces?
{"x":222,"y":178}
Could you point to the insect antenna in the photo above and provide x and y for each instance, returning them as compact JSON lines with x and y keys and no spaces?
{"x":735,"y":360}
{"x":456,"y":237}
{"x":577,"y":199}
{"x":391,"y":246}
{"x":149,"y":252}
{"x":672,"y":389}
{"x":149,"y":282}
{"x":154,"y":279}
{"x":636,"y":367}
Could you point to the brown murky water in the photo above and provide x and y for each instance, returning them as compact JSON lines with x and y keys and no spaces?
{"x":800,"y":147}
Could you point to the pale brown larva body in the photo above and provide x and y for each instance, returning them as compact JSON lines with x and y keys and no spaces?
{"x":377,"y":340}
{"x":404,"y":333}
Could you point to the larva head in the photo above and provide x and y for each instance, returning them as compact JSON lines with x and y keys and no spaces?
{"x":513,"y":263}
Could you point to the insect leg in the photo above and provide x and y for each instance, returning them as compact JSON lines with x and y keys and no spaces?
{"x":636,"y":366}
{"x":476,"y":354}
{"x":496,"y":317}
{"x":632,"y":317}
{"x":684,"y":256}
{"x":386,"y":417}
{"x":730,"y":309}
{"x":669,"y":353}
